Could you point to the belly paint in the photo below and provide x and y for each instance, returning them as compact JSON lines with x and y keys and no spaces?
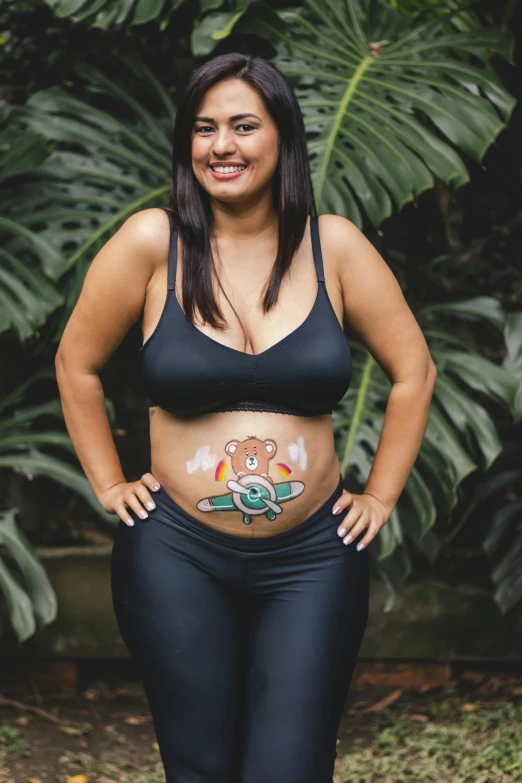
{"x":203,"y":459}
{"x":253,"y":491}
{"x":298,"y":453}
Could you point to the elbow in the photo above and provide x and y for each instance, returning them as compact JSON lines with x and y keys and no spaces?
{"x":431,"y":373}
{"x":59,"y":364}
{"x":430,"y":377}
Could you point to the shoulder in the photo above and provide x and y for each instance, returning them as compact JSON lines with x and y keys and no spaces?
{"x":139,"y":246}
{"x":346,"y":249}
{"x":339,"y":235}
{"x":133,"y":253}
{"x":148,"y":230}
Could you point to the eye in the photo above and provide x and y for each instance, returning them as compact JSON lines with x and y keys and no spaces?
{"x":203,"y":127}
{"x":245,"y":125}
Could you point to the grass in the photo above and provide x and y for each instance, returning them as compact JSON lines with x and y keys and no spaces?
{"x":478,"y":746}
{"x":470,"y":734}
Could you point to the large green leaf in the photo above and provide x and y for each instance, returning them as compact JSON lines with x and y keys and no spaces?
{"x":102,"y":170}
{"x":20,"y":152}
{"x":26,"y":297}
{"x":480,"y":308}
{"x":513,"y":358}
{"x":38,"y":587}
{"x":469,"y":417}
{"x":387,"y":102}
{"x":460,"y":434}
{"x":21,"y":439}
{"x":18,"y":603}
{"x":107,"y":13}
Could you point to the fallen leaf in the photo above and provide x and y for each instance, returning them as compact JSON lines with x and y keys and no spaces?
{"x":34,"y":780}
{"x":382,"y":703}
{"x":76,"y":731}
{"x":138,"y":720}
{"x":91,"y":695}
{"x":78,"y":779}
{"x":469,"y":707}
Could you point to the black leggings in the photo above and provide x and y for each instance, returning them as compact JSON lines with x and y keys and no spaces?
{"x":245,"y":646}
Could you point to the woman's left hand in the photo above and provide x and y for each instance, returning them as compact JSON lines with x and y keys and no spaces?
{"x":366,"y":511}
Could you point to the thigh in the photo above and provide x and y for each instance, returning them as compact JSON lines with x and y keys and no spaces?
{"x":306,"y":635}
{"x":183,"y":628}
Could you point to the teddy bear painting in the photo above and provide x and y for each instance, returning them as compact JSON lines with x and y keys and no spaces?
{"x":253,"y":491}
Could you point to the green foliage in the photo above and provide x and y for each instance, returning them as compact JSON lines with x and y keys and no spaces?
{"x":392,"y":101}
{"x":22,"y":441}
{"x":36,"y":604}
{"x":106,"y":13}
{"x":388,"y":103}
{"x":504,"y":540}
{"x":102,"y":169}
{"x":461,"y":436}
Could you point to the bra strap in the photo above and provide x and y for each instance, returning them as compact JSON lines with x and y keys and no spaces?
{"x":316,"y":247}
{"x":173,"y":254}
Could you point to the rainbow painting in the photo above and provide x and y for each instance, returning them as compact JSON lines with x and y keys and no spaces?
{"x":283,"y":469}
{"x":221,"y":470}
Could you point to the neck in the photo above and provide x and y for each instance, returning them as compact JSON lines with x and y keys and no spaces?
{"x":243,"y":221}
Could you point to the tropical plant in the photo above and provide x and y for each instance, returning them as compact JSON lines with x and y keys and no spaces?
{"x":24,"y":448}
{"x":28,"y":449}
{"x":215,"y":20}
{"x":99,"y":171}
{"x":107,"y":13}
{"x":388,"y":103}
{"x":36,"y":604}
{"x":504,"y":540}
{"x":461,"y":436}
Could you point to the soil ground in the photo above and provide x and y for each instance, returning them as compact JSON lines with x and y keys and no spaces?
{"x":402,"y":722}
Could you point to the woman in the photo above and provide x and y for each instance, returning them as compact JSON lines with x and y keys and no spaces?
{"x":240,"y":564}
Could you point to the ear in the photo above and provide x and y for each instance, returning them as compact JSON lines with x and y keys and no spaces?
{"x":270,"y":447}
{"x":231,"y":446}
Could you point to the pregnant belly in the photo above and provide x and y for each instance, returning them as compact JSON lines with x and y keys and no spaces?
{"x":249,"y":474}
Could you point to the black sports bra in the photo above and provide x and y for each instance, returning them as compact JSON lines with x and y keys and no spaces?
{"x":187,"y":373}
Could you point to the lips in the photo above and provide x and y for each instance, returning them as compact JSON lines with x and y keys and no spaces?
{"x":228,"y":175}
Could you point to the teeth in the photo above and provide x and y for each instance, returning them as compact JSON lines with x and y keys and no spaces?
{"x":228,"y":169}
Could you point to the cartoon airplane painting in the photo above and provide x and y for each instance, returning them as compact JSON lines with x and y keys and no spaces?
{"x":253,"y":492}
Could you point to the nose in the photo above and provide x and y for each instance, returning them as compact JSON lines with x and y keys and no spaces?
{"x":223,"y":142}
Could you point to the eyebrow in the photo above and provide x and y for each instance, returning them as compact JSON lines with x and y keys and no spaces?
{"x":234,"y":117}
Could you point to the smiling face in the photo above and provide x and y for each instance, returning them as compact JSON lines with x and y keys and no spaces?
{"x":235,"y":142}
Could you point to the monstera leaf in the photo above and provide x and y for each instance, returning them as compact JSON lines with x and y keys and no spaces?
{"x":24,"y":448}
{"x":109,"y":13}
{"x":33,"y":602}
{"x":23,"y":442}
{"x":390,"y":104}
{"x":101,"y":170}
{"x":461,"y":436}
{"x":503,"y":486}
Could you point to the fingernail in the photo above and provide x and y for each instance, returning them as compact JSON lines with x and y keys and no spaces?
{"x":360,"y":546}
{"x":155,"y":487}
{"x":130,"y":522}
{"x":348,"y":539}
{"x":143,"y":514}
{"x":336,"y":510}
{"x":151,"y":505}
{"x":341,"y":532}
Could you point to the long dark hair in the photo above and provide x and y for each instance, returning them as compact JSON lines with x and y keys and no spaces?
{"x":190,"y":203}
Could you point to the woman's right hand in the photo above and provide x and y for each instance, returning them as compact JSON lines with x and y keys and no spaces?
{"x":132,"y":494}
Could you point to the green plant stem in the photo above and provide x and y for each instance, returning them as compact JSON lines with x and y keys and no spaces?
{"x":115,"y":219}
{"x":359,"y":407}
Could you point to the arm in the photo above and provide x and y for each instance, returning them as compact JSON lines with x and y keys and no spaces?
{"x":377,"y":311}
{"x":111,"y":301}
